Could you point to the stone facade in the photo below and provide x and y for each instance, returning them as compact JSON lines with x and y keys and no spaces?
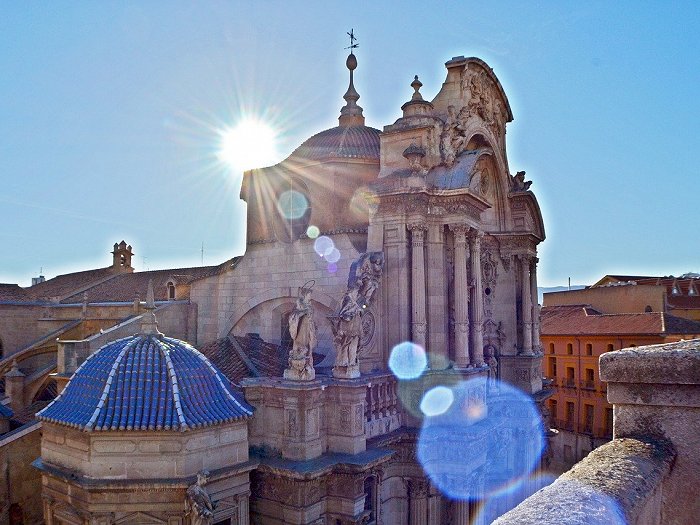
{"x":457,"y":234}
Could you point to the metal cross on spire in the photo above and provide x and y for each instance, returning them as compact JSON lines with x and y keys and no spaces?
{"x":352,"y":45}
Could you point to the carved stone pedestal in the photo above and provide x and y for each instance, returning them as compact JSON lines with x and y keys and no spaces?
{"x":288,"y":416}
{"x":345,"y":415}
{"x":298,"y":372}
{"x":523,"y":371}
{"x":346,"y":372}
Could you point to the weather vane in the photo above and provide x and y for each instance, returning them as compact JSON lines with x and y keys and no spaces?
{"x":352,"y":45}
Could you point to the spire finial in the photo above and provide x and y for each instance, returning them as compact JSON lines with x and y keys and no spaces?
{"x":149,"y":326}
{"x":416,"y":85}
{"x":351,"y":113}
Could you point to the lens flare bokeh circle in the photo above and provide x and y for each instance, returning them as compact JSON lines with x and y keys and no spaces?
{"x":489,"y":438}
{"x":407,"y":360}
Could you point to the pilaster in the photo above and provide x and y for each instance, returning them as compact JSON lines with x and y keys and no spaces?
{"x":526,"y":295}
{"x":478,"y":302}
{"x":461,"y":296}
{"x":419,"y":326}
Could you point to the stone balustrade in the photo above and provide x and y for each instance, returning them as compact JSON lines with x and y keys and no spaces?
{"x":648,"y":474}
{"x":381,"y":406}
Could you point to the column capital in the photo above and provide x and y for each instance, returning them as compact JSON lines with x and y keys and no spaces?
{"x":476,"y":236}
{"x":417,"y":226}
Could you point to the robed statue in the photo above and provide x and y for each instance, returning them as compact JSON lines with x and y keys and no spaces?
{"x":346,"y":324}
{"x":302,"y":330}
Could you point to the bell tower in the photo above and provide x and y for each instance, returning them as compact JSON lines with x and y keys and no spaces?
{"x":121,"y":258}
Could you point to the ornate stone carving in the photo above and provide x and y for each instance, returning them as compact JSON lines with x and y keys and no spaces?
{"x":368,"y":327}
{"x":346,"y":324}
{"x":302,"y":328}
{"x":519,"y":182}
{"x":198,"y":504}
{"x":484,"y":100}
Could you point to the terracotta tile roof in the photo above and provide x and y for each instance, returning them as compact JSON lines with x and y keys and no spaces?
{"x":28,"y":414}
{"x":584,"y":320}
{"x":225,"y":357}
{"x":248,"y":356}
{"x":685,"y":295}
{"x":124,"y":287}
{"x":62,"y":285}
{"x":12,"y":292}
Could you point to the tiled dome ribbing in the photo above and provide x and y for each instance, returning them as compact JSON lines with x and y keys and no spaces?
{"x":341,"y":142}
{"x":146,"y":382}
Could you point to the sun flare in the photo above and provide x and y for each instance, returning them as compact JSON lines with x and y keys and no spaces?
{"x":250,"y":144}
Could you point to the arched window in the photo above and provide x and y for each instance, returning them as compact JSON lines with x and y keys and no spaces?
{"x":285,"y":336}
{"x":171,"y":291}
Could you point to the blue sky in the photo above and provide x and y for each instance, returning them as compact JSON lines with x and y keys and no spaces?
{"x":108,"y":114}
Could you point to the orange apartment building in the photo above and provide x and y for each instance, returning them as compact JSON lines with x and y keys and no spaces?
{"x":578,"y":326}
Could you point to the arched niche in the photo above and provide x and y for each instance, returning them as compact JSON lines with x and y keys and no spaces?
{"x":267,"y":318}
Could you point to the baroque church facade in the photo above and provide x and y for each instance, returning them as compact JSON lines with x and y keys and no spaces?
{"x":359,"y":241}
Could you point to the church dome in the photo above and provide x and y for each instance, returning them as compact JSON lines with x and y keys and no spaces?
{"x":350,"y":142}
{"x":146,"y":382}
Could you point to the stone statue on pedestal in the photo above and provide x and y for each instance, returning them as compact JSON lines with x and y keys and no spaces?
{"x":363,"y":282}
{"x":198,"y":504}
{"x":302,"y":328}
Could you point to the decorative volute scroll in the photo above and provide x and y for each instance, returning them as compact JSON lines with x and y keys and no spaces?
{"x":363,"y":283}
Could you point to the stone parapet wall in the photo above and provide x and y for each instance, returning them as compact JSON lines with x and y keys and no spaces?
{"x":649,"y":473}
{"x":620,"y":482}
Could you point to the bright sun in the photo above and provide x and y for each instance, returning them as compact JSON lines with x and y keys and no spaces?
{"x":251,"y":144}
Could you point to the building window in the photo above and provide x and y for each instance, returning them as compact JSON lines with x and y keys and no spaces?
{"x":608,"y":422}
{"x":370,"y":496}
{"x":648,"y":309}
{"x":588,"y":419}
{"x":552,"y":367}
{"x":551,"y":348}
{"x":553,"y":412}
{"x":589,"y":374}
{"x":589,"y":349}
{"x":569,"y":423}
{"x":569,"y":348}
{"x":569,"y":380}
{"x":611,"y":347}
{"x":285,"y":337}
{"x":171,"y":292}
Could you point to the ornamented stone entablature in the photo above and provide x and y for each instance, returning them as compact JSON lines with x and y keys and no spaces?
{"x":512,"y":243}
{"x":448,"y":205}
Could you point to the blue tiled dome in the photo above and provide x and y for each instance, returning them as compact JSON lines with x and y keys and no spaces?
{"x":146,"y":382}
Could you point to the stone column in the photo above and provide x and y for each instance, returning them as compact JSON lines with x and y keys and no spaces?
{"x":461,"y":291}
{"x":536,"y":345}
{"x":461,"y":512}
{"x":478,"y":304}
{"x":418,"y":502}
{"x":526,"y":304}
{"x":418,"y":323}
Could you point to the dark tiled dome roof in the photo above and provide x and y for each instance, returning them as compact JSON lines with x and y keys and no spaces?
{"x":146,"y":382}
{"x":352,"y":142}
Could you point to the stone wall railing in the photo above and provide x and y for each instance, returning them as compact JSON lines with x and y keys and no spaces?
{"x":649,"y":473}
{"x":381,"y":406}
